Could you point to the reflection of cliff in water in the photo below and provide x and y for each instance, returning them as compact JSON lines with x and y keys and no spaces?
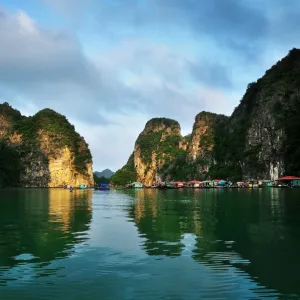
{"x":163,"y":217}
{"x":256,"y":231}
{"x":42,"y":225}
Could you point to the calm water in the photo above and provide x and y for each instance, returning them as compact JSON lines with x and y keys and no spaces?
{"x":149,"y":244}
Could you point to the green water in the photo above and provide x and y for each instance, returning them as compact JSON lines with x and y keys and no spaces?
{"x":150,"y":244}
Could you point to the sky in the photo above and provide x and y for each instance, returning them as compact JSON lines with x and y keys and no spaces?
{"x":111,"y":65}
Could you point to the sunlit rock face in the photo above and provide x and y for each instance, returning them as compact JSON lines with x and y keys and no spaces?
{"x":51,"y":153}
{"x":156,"y":144}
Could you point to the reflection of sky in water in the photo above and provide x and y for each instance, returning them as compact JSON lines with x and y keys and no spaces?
{"x":189,"y":241}
{"x":110,"y":227}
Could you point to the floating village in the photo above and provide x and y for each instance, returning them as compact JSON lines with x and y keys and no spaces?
{"x":282,"y":182}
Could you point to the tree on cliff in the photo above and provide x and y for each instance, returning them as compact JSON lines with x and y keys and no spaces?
{"x":126,"y":174}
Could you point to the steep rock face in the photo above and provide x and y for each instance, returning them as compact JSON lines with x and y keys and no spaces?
{"x":264,"y":128}
{"x":62,"y":170}
{"x":201,"y":148}
{"x":157,"y":144}
{"x":261,"y":139}
{"x":50,"y":152}
{"x":202,"y":136}
{"x":35,"y":169}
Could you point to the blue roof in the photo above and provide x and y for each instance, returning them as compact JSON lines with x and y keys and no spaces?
{"x":104,"y":184}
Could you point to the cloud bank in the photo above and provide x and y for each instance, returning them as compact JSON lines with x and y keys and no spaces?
{"x":127,"y":61}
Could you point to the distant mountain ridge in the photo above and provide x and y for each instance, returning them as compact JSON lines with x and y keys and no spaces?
{"x":107,"y":173}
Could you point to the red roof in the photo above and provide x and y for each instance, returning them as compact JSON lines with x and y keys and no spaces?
{"x":288,"y":178}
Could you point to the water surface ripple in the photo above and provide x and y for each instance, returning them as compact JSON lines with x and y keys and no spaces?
{"x":149,"y":244}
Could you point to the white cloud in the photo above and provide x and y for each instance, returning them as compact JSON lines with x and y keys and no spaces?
{"x":109,"y":97}
{"x":112,"y":144}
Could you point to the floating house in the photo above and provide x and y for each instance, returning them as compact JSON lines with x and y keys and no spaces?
{"x":136,"y":185}
{"x":265,"y":183}
{"x":292,"y":181}
{"x":208,"y":183}
{"x":179,"y":184}
{"x":194,"y":184}
{"x":220,"y":182}
{"x":82,"y":186}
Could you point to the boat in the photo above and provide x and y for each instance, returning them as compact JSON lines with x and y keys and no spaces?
{"x":171,"y":185}
{"x":155,"y":185}
{"x":104,"y":187}
{"x":135,"y":185}
{"x":83,"y":186}
{"x":162,"y":185}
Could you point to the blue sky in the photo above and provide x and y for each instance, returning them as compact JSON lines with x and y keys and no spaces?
{"x":110,"y":65}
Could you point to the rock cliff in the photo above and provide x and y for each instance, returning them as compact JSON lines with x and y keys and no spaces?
{"x":261,"y":139}
{"x":264,"y":130}
{"x":50,"y":151}
{"x":201,"y":147}
{"x":158,"y":144}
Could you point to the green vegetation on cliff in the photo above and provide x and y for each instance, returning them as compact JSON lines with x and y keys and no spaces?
{"x":261,"y":139}
{"x":28,"y":142}
{"x":125,"y":175}
{"x":98,"y":180}
{"x":60,"y":134}
{"x":12,"y":115}
{"x":263,"y":130}
{"x":158,"y":144}
{"x":166,"y":122}
{"x":149,"y":143}
{"x":160,"y":136}
{"x":163,"y":148}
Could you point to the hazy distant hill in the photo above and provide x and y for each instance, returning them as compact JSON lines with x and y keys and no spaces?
{"x":107,"y":173}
